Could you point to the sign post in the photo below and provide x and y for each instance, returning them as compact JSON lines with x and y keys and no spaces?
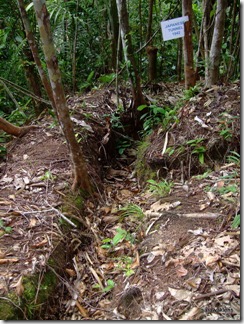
{"x":173,"y":28}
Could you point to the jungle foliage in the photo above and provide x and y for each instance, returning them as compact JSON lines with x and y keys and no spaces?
{"x":86,"y":36}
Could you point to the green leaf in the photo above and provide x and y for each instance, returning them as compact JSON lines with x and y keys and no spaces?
{"x":141,"y":107}
{"x":201,"y":158}
{"x":30,"y":5}
{"x":90,"y":76}
{"x":106,"y":246}
{"x":110,"y":285}
{"x":236,"y":222}
{"x":157,"y":110}
{"x":121,"y":234}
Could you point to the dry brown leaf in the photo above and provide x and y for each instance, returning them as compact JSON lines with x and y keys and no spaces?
{"x":220,"y":184}
{"x":136,"y":263}
{"x":126,"y":193}
{"x":181,"y":271}
{"x":70,"y":272}
{"x":5,"y":202}
{"x":19,"y":287}
{"x":203,"y":206}
{"x":12,"y":260}
{"x":81,"y":309}
{"x":191,"y":315}
{"x":223,"y":240}
{"x":181,"y":294}
{"x":235,"y":288}
{"x":43,"y":242}
{"x":211,"y":259}
{"x":81,"y":287}
{"x":32,"y":222}
{"x":194,"y":283}
{"x":108,"y":266}
{"x":105,"y":209}
{"x":211,"y":196}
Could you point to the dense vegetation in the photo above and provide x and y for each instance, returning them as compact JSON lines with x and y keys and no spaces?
{"x":86,"y":38}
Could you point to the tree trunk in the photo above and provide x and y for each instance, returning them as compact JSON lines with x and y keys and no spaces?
{"x":207,"y":33}
{"x":74,"y":86}
{"x":33,"y":80}
{"x":129,"y":57}
{"x":32,"y":43}
{"x":151,"y":50}
{"x":188,"y":46}
{"x":152,"y":63}
{"x":149,"y":24}
{"x":179,"y":59}
{"x":81,"y":179}
{"x":14,"y":130}
{"x":215,"y":50}
{"x":114,"y":23}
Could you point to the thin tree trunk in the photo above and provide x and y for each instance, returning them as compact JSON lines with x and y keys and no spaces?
{"x":188,"y":46}
{"x":114,"y":22}
{"x":129,"y":57}
{"x":215,"y":50}
{"x":151,"y":50}
{"x":74,"y":50}
{"x":33,"y":80}
{"x":149,"y":24}
{"x":235,"y":54}
{"x":81,"y":179}
{"x":32,"y":43}
{"x":179,"y":58}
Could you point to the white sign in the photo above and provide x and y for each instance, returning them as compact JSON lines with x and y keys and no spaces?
{"x":173,"y":28}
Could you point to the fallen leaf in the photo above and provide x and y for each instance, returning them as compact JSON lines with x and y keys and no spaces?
{"x":211,"y":259}
{"x":203,"y":206}
{"x":70,"y":272}
{"x":19,"y":287}
{"x":181,"y":294}
{"x":222,"y":241}
{"x":198,"y":231}
{"x":105,"y":209}
{"x":32,"y":222}
{"x":191,"y":315}
{"x":5,"y":202}
{"x":159,"y":295}
{"x":220,"y":184}
{"x":235,"y":288}
{"x":126,"y":193}
{"x":43,"y":242}
{"x":136,"y":263}
{"x":13,"y":260}
{"x":181,"y":271}
{"x":194,"y":283}
{"x":211,"y":196}
{"x":81,"y":287}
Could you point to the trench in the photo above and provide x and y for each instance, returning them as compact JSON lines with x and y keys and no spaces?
{"x":118,"y":155}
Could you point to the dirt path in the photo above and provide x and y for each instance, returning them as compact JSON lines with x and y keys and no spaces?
{"x":127,"y":253}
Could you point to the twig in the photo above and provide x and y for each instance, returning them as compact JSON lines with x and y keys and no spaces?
{"x":214,"y":293}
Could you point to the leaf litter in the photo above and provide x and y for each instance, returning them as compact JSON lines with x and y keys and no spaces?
{"x":165,"y":266}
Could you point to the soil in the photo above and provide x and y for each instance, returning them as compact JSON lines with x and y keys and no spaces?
{"x":177,"y":257}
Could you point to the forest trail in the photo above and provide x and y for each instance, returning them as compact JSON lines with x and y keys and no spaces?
{"x":129,"y":253}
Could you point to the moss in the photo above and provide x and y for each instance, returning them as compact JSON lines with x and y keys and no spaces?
{"x":143,"y":170}
{"x":37,"y":291}
{"x":9,"y":308}
{"x":72,"y":202}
